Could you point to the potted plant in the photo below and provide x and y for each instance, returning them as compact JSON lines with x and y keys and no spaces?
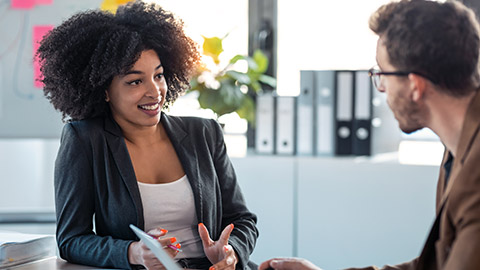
{"x":225,"y":88}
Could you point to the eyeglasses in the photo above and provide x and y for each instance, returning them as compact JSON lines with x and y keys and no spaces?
{"x":377,"y":76}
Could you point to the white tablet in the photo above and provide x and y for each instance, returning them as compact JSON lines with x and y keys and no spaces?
{"x":156,"y":248}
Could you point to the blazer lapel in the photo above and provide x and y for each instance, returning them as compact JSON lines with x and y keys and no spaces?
{"x":441,"y":182}
{"x":427,"y":259}
{"x":468,"y":134}
{"x":120,"y":155}
{"x":186,"y":151}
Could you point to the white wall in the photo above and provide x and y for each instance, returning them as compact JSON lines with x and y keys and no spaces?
{"x":26,"y":174}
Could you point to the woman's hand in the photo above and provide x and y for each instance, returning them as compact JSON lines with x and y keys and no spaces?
{"x":288,"y":263}
{"x":219,"y":252}
{"x":139,"y":253}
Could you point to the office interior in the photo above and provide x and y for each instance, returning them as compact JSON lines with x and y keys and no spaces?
{"x":334,"y":211}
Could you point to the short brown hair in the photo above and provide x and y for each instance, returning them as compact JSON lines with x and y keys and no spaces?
{"x":440,"y":40}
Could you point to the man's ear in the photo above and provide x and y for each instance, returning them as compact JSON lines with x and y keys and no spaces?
{"x":107,"y":98}
{"x":418,"y":86}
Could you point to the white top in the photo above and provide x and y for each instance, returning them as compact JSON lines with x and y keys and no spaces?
{"x":171,"y":206}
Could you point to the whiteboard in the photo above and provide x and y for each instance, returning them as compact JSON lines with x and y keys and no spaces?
{"x":24,"y":111}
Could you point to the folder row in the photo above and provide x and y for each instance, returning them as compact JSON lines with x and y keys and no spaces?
{"x":332,"y":116}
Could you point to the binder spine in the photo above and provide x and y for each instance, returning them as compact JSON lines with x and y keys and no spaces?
{"x":362,"y":128}
{"x":325,"y":112}
{"x":285,"y":118}
{"x":264,"y":139}
{"x":344,"y":112}
{"x":305,"y":115}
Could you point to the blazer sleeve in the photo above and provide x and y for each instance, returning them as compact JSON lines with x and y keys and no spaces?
{"x":411,"y":265}
{"x":245,"y":232}
{"x":75,"y":207}
{"x":463,"y":213}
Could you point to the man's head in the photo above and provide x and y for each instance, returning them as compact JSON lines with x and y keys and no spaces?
{"x":425,"y":43}
{"x":439,"y":40}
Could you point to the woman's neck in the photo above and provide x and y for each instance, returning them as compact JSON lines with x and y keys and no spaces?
{"x":143,"y":135}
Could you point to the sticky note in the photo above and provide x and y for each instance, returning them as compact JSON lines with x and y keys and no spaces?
{"x":38,"y":32}
{"x":22,"y":4}
{"x":112,"y":5}
{"x":43,"y":2}
{"x":109,"y":5}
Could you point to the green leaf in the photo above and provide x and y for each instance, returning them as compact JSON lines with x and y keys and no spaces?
{"x":231,"y":94}
{"x":228,"y":98}
{"x":247,"y":110}
{"x":262,"y":61}
{"x":242,"y":78}
{"x":194,"y":83}
{"x":213,"y":47}
{"x":268,"y":80}
{"x":236,"y":58}
{"x":252,"y":65}
{"x":207,"y":97}
{"x":257,"y":87}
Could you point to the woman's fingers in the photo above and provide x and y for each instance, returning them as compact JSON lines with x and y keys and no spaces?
{"x":229,"y":262}
{"x":157,"y":232}
{"x":150,"y":261}
{"x":204,"y":235}
{"x":170,"y":245}
{"x":226,"y":234}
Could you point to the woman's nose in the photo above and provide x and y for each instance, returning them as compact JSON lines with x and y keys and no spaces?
{"x":154,"y":89}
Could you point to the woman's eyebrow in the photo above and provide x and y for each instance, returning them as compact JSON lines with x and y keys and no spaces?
{"x":133,"y":71}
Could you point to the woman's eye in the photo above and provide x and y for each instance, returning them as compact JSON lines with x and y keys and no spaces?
{"x":135,"y":82}
{"x":159,"y":76}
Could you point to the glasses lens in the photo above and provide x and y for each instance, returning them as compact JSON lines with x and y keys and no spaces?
{"x":376,"y":80}
{"x":373,"y":73}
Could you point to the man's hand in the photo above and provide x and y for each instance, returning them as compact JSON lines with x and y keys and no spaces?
{"x":288,"y":263}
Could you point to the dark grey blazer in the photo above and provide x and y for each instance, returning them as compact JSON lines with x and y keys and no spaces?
{"x":95,"y":186}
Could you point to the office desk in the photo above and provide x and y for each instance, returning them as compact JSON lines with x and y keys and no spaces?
{"x":52,"y":263}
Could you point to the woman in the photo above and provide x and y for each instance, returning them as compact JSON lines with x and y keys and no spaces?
{"x":123,"y":161}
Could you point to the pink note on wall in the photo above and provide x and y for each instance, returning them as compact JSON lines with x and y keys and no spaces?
{"x":38,"y":32}
{"x":43,"y":2}
{"x":22,"y":4}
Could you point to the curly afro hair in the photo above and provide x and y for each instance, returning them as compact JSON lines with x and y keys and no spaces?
{"x":80,"y":57}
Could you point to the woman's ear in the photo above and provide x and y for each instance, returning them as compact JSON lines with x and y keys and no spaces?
{"x":107,"y":98}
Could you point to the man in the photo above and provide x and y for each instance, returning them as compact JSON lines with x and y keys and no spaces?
{"x":427,"y":56}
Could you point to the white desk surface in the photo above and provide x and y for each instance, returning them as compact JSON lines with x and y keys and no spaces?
{"x":52,"y":263}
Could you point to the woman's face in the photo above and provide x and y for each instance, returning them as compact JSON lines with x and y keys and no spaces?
{"x":137,"y":97}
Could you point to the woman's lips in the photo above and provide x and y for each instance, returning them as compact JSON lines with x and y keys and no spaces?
{"x":151,"y":109}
